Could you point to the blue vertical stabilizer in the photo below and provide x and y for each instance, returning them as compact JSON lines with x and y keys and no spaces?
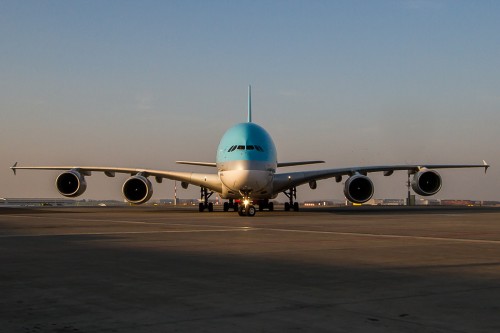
{"x":249,"y":103}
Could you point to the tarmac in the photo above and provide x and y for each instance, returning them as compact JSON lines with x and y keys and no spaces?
{"x":156,"y":269}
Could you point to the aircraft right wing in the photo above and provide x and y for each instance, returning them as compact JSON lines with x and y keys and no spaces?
{"x":287,"y":164}
{"x":209,"y":181}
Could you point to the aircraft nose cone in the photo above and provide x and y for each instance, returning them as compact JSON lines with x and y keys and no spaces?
{"x":246,"y":180}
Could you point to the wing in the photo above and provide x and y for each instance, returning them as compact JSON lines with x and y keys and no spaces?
{"x":287,"y":164}
{"x":284,"y":181}
{"x":209,"y":181}
{"x":207,"y":164}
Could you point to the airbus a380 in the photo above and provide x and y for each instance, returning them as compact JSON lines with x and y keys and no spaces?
{"x":247,"y":164}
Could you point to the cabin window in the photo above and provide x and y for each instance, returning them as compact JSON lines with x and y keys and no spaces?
{"x":250,"y":147}
{"x":241,"y":147}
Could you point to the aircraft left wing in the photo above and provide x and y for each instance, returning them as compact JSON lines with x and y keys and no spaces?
{"x":207,"y":164}
{"x":284,"y":181}
{"x":209,"y":181}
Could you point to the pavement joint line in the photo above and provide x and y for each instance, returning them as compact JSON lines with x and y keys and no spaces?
{"x":81,"y":219}
{"x":126,"y":233}
{"x":130,"y":222}
{"x":462,"y":240}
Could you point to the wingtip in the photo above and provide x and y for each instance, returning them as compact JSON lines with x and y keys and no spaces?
{"x":13,"y":168}
{"x":486,"y":166}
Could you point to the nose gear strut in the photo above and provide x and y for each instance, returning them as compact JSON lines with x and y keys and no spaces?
{"x":246,"y":207}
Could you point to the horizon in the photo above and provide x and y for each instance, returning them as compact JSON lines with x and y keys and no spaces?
{"x":352,"y":83}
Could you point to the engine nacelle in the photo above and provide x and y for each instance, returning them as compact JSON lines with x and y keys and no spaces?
{"x":426,"y":182}
{"x":137,"y":189}
{"x":358,"y":188}
{"x":71,"y":183}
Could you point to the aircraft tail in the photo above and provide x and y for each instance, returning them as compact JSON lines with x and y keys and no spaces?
{"x":249,"y":103}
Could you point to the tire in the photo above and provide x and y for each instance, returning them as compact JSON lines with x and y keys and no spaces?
{"x":271,"y":206}
{"x":201,"y":207}
{"x":226,"y":206}
{"x":250,"y":210}
{"x":287,"y":206}
{"x":210,"y":207}
{"x":241,"y":210}
{"x":296,"y":206}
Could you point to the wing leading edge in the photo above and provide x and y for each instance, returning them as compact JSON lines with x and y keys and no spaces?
{"x":209,"y":181}
{"x":283,"y":181}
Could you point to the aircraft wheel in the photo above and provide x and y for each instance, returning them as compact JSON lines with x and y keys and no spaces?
{"x":296,"y":206}
{"x":226,"y":206}
{"x":241,"y":211}
{"x":250,"y":210}
{"x":271,"y":206}
{"x":201,"y":207}
{"x":287,"y":206}
{"x":210,"y":207}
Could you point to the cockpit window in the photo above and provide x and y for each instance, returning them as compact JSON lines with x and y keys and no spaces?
{"x":242,"y":147}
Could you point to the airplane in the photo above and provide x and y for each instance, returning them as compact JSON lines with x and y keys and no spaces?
{"x":247,"y":164}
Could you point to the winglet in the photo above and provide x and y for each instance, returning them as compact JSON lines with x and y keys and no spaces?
{"x":14,"y":168}
{"x":249,"y":103}
{"x":486,"y":166}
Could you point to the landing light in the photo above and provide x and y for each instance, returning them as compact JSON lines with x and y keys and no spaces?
{"x":246,"y":202}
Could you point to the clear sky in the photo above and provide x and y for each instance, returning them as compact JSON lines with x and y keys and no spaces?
{"x":145,"y":83}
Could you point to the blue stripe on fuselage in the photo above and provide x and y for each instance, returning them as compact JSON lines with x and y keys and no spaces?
{"x":246,"y":134}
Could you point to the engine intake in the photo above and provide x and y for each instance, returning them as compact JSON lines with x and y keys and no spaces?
{"x":426,"y":182}
{"x":71,"y":183}
{"x":358,"y":188}
{"x":137,"y":189}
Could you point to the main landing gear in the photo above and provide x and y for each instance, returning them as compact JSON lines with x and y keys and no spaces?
{"x":265,"y":204}
{"x":205,"y":204}
{"x":230,"y":205}
{"x":291,"y":204}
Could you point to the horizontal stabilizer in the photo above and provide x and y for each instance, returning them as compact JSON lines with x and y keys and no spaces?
{"x":287,"y":164}
{"x":207,"y":164}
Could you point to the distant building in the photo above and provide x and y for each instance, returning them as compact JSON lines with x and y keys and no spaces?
{"x":318,"y":203}
{"x":389,"y":202}
{"x":459,"y":203}
{"x":36,"y":202}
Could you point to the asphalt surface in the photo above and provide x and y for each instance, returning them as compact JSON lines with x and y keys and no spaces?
{"x":176,"y":270}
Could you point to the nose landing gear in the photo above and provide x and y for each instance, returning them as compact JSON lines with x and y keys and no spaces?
{"x":246,"y":207}
{"x":246,"y":210}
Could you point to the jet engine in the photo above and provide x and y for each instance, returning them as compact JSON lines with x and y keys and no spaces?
{"x":358,"y":188}
{"x":71,"y":183}
{"x":426,"y":182}
{"x":137,"y":189}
